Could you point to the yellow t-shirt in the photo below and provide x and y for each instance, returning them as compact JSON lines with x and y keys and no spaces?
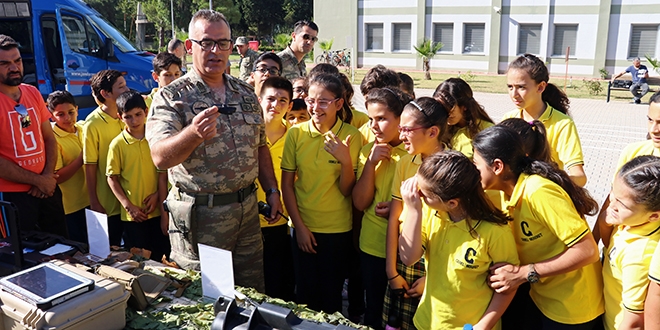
{"x":367,"y":134}
{"x":359,"y":118}
{"x":641,"y":148}
{"x":98,"y":131}
{"x":150,"y":97}
{"x":545,"y":224}
{"x":457,"y":263}
{"x":321,"y":205}
{"x":462,"y":142}
{"x":626,"y":271}
{"x":69,"y":146}
{"x":276,"y":150}
{"x":654,"y":269}
{"x":562,"y":135}
{"x":406,"y":168}
{"x":130,"y":159}
{"x":374,"y":228}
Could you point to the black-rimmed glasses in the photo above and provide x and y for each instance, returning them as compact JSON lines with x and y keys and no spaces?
{"x":209,"y":44}
{"x":272,"y":70}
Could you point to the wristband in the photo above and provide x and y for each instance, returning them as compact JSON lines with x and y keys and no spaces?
{"x":393,"y":277}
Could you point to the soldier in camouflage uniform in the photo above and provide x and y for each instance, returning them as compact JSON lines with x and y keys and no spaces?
{"x":207,"y":128}
{"x":248,"y":58}
{"x":303,"y":39}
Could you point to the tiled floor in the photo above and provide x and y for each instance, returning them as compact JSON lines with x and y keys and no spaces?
{"x":604,"y":128}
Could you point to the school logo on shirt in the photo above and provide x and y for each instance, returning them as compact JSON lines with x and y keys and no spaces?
{"x":524,"y":226}
{"x":468,"y":261}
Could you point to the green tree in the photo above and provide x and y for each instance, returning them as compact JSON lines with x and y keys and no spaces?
{"x":158,"y":12}
{"x":282,"y":40}
{"x":296,"y":10}
{"x":426,"y":50}
{"x":262,"y":16}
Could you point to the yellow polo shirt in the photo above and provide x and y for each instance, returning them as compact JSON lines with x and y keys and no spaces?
{"x":462,"y":141}
{"x":374,"y":228}
{"x":545,"y":224}
{"x":641,"y":148}
{"x":321,"y":205}
{"x":98,"y":131}
{"x":276,"y":150}
{"x":367,"y":133}
{"x":406,"y":168}
{"x":562,"y":135}
{"x":69,"y":146}
{"x":130,"y":159}
{"x":626,"y":271}
{"x":654,"y":269}
{"x":457,"y":263}
{"x":150,"y":97}
{"x":359,"y":118}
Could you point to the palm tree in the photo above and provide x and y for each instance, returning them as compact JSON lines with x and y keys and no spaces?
{"x":282,"y":40}
{"x":426,"y":50}
{"x":326,"y":46}
{"x":655,"y":63}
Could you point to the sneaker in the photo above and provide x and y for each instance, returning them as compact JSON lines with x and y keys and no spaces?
{"x":638,"y":101}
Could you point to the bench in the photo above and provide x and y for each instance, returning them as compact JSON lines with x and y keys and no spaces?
{"x":625,"y":81}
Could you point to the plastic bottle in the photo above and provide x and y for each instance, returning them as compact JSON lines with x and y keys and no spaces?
{"x":467,"y":327}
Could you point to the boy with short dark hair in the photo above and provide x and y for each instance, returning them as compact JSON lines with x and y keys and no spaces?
{"x":298,"y":113}
{"x":101,"y":127}
{"x":135,"y":181}
{"x":275,"y":101}
{"x":71,"y":176}
{"x":167,"y":68}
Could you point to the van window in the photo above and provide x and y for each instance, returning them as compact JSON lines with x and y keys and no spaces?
{"x":81,"y":36}
{"x":118,"y":39}
{"x":21,"y":31}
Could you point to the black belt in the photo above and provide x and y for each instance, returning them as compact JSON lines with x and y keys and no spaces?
{"x":224,"y":199}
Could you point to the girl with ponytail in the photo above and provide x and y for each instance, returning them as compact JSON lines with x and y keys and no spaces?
{"x":537,"y":99}
{"x":556,"y":248}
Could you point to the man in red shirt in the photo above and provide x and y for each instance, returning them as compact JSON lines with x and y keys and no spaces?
{"x":28,"y":150}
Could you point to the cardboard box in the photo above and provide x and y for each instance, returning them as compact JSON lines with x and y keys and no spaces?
{"x":102,"y":308}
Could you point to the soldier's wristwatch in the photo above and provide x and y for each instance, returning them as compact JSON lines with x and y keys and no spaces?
{"x":272,"y":191}
{"x":532,"y":275}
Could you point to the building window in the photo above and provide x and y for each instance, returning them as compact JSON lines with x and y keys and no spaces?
{"x":473,"y":38}
{"x":565,"y":36}
{"x":529,"y":39}
{"x":375,"y":36}
{"x":643,"y":39}
{"x":401,"y":37}
{"x":444,"y":33}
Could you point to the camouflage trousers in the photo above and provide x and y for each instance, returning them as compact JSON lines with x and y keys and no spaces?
{"x":234,"y":227}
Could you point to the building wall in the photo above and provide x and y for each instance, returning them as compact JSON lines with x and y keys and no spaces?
{"x":602,"y":41}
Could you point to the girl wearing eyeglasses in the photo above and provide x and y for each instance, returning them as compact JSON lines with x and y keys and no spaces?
{"x":372,"y":192}
{"x":466,"y":116}
{"x":537,"y":99}
{"x":461,"y":234}
{"x":318,"y":173}
{"x":559,"y":282}
{"x":422,"y":130}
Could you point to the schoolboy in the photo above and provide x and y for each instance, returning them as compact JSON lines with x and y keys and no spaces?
{"x":101,"y":127}
{"x":167,"y":68}
{"x":135,"y":181}
{"x":267,"y":65}
{"x":69,"y":165}
{"x":298,"y":113}
{"x":275,"y":101}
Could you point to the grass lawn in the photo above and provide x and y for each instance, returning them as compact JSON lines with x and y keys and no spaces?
{"x":486,"y":83}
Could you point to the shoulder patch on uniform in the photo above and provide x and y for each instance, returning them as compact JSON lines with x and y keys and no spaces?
{"x":249,"y":99}
{"x":237,"y":83}
{"x":174,"y":89}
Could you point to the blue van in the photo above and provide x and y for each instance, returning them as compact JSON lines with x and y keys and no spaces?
{"x":64,"y":42}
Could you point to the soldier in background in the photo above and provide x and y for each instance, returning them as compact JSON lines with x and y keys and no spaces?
{"x":248,"y":58}
{"x":207,"y":128}
{"x":293,"y":56}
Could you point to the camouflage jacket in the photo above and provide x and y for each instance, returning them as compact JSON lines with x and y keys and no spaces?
{"x":246,"y":64}
{"x":291,"y":68}
{"x":225,"y":163}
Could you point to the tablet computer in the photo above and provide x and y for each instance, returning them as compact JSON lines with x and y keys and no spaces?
{"x":46,"y":285}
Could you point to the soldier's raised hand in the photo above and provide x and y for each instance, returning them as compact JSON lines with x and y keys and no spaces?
{"x":204,"y":124}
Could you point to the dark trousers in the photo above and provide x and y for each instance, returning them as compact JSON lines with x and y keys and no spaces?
{"x":43,"y":214}
{"x":374,"y":280}
{"x":522,"y":314}
{"x":278,"y":262}
{"x":320,"y":277}
{"x":147,"y":235}
{"x":116,"y":230}
{"x":76,"y":223}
